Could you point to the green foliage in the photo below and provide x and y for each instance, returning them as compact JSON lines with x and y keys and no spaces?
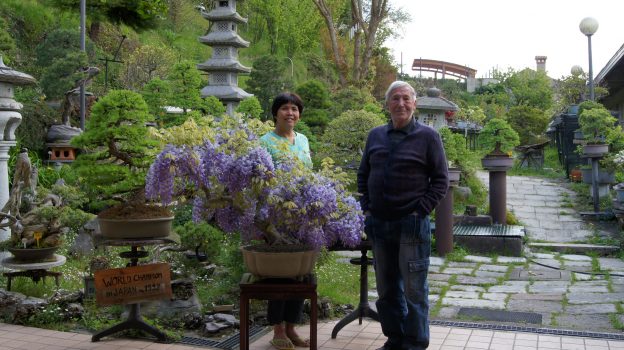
{"x":315,"y":94}
{"x":211,"y":106}
{"x":145,"y":64}
{"x":595,"y":123}
{"x":572,"y":89}
{"x":316,"y":118}
{"x":138,"y":14}
{"x":454,"y":147}
{"x":266,"y":81}
{"x":38,"y":117}
{"x":345,"y":137}
{"x":472,"y":114}
{"x":530,"y":88}
{"x":7,"y":44}
{"x":203,"y":235}
{"x":185,"y":82}
{"x":339,"y":284}
{"x":587,"y":105}
{"x":304,"y":128}
{"x":62,"y":75}
{"x":250,"y":107}
{"x":156,"y":94}
{"x":58,"y":44}
{"x":351,"y":99}
{"x":117,"y":148}
{"x":498,"y":135}
{"x":529,"y":122}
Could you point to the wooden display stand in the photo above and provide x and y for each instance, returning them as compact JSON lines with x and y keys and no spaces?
{"x":278,"y":289}
{"x":35,"y":271}
{"x":134,"y":320}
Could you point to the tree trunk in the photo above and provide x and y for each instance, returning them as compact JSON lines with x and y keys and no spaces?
{"x":378,"y":12}
{"x":329,"y":21}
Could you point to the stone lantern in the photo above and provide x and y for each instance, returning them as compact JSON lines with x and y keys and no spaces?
{"x":434,"y":110}
{"x":223,"y":66}
{"x":10,"y":118}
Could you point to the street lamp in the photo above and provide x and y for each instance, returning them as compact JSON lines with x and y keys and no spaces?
{"x":292,"y":67}
{"x":589,"y":26}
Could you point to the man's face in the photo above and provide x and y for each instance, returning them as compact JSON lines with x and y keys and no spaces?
{"x":401,"y":105}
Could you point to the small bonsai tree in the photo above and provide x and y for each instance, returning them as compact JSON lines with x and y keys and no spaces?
{"x":596,"y":123}
{"x":498,"y":136}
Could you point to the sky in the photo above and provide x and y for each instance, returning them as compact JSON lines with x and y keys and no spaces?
{"x":487,"y":34}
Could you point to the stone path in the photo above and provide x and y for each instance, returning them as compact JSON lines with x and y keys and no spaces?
{"x":544,"y":207}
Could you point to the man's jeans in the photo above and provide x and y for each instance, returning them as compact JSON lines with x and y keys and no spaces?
{"x":401,"y":250}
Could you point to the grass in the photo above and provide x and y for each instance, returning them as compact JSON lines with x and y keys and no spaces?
{"x":338,"y":281}
{"x":552,"y":168}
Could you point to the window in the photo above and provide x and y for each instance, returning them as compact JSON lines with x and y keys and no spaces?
{"x":429,"y":119}
{"x":223,"y":4}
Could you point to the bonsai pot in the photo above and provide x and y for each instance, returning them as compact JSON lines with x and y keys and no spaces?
{"x":578,"y":135}
{"x":619,"y":192}
{"x":33,"y":255}
{"x":277,"y":264}
{"x":497,"y":162}
{"x":454,"y":174}
{"x":135,"y":228}
{"x":595,"y":150}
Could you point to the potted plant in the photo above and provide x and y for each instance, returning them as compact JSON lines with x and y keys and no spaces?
{"x":455,"y":151}
{"x":233,"y":183}
{"x":501,"y":138}
{"x":595,"y":122}
{"x":117,"y":151}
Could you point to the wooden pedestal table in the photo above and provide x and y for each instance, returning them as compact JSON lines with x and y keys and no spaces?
{"x":276,"y":289}
{"x":132,"y":285}
{"x":364,"y":309}
{"x":35,"y":271}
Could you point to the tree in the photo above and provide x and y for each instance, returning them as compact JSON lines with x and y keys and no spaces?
{"x":146,"y":63}
{"x":345,"y":137}
{"x":117,"y":149}
{"x":530,"y":88}
{"x":314,"y":93}
{"x":266,"y":81}
{"x":185,"y":82}
{"x":352,"y":98}
{"x":529,"y":122}
{"x":156,"y":94}
{"x":62,"y":75}
{"x":7,"y":44}
{"x":250,"y":107}
{"x":58,"y":44}
{"x":498,"y":136}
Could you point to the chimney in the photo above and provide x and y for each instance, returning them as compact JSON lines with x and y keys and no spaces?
{"x":541,"y":63}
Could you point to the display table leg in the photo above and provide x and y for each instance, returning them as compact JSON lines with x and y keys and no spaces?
{"x":134,"y":321}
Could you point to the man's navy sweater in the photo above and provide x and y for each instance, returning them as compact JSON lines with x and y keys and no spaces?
{"x":411,"y":176}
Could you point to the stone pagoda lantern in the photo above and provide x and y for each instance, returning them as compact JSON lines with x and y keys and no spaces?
{"x":223,"y":67}
{"x":10,"y":118}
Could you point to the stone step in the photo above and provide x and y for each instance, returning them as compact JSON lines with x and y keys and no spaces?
{"x":572,"y":248}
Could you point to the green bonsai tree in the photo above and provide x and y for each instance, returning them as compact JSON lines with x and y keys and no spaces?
{"x":595,"y":123}
{"x":117,"y":150}
{"x":498,"y":136}
{"x":454,"y":147}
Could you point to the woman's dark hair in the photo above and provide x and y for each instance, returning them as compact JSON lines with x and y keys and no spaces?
{"x":285,"y":98}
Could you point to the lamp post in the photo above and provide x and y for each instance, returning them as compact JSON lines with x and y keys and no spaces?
{"x":589,"y":26}
{"x":292,"y":67}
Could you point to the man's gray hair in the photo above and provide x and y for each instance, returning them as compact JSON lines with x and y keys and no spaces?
{"x":399,"y":84}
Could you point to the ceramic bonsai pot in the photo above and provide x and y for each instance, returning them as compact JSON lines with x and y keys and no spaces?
{"x":135,"y":228}
{"x":33,"y":255}
{"x":497,"y":163}
{"x":454,"y":174}
{"x":279,"y":264}
{"x":595,"y":150}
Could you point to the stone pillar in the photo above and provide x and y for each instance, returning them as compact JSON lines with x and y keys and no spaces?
{"x":444,"y":216}
{"x":498,"y":165}
{"x":10,"y":118}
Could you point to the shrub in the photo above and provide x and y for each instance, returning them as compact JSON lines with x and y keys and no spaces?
{"x":498,"y":136}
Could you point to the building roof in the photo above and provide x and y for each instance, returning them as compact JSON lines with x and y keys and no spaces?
{"x":612,"y":75}
{"x":433,"y":100}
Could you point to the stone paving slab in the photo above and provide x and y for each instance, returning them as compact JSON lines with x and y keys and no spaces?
{"x":510,"y":287}
{"x":495,"y":268}
{"x":486,"y":304}
{"x":549,"y":287}
{"x":464,"y":288}
{"x":595,"y":298}
{"x":458,"y":271}
{"x":581,"y":322}
{"x":537,"y":296}
{"x":542,"y":306}
{"x":591,"y":309}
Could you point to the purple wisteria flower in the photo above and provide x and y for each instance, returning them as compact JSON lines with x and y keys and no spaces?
{"x":234,"y":183}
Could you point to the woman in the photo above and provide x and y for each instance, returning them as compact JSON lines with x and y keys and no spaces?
{"x":282,"y":142}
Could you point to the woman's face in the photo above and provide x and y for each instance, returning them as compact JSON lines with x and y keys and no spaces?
{"x":287,"y":116}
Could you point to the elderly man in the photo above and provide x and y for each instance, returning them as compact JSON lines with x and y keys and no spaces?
{"x":402,"y":177}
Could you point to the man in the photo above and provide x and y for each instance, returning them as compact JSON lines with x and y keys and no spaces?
{"x":402,"y":177}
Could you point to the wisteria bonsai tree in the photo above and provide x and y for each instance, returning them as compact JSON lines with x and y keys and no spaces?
{"x":233,"y":182}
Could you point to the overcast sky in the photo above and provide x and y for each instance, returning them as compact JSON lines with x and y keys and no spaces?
{"x":485,"y":34}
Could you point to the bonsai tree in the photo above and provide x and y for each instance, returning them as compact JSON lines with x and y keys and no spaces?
{"x":595,"y":124}
{"x":454,"y":147}
{"x":117,"y":150}
{"x":499,"y":136}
